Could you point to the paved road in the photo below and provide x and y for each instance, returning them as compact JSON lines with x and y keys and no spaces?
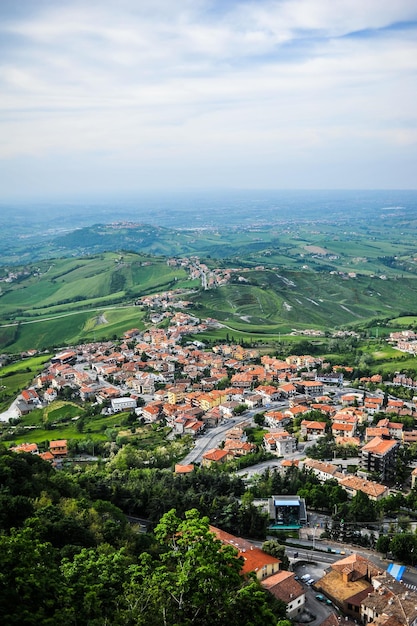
{"x":212,"y":438}
{"x":11,"y":412}
{"x":321,"y":555}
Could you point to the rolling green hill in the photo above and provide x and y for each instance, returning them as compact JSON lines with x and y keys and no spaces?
{"x":69,"y":300}
{"x":305,"y":299}
{"x":63,"y":301}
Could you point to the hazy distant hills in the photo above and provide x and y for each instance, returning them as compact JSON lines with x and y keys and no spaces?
{"x":275,"y":225}
{"x":298,"y":260}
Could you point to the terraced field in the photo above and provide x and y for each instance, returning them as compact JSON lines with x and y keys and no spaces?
{"x":305,"y":299}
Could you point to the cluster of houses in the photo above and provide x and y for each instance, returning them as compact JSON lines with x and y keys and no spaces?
{"x":191,"y":389}
{"x":404,"y":340}
{"x":56,"y":452}
{"x":367,"y":594}
{"x":209,"y":277}
{"x":355,"y":585}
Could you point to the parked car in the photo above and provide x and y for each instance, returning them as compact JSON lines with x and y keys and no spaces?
{"x":320,"y":597}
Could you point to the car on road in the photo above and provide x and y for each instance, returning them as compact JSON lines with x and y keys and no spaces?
{"x":320,"y":597}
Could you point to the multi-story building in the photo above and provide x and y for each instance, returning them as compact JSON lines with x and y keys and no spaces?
{"x":379,"y":456}
{"x":280,"y":443}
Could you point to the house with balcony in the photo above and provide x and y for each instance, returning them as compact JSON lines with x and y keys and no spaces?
{"x":58,"y":448}
{"x":395,"y":429}
{"x":312,"y":388}
{"x":276,"y":419}
{"x":312,"y":429}
{"x":324,"y":471}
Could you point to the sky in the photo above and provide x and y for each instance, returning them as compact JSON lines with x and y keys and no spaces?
{"x":104,"y":97}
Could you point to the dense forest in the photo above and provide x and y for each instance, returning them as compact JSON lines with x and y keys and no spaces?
{"x":68,"y":553}
{"x":72,"y":547}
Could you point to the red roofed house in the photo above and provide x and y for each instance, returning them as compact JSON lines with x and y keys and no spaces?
{"x":373,"y":404}
{"x":343,"y":430}
{"x":269,"y":392}
{"x":151,"y":412}
{"x":276,"y":419}
{"x":280,"y":443}
{"x":30,"y":396}
{"x":312,"y":428}
{"x":283,"y":586}
{"x":50,"y":394}
{"x":31,"y":448}
{"x":58,"y":448}
{"x":216,"y":456}
{"x":311,"y":387}
{"x":255,"y":559}
{"x":324,"y":471}
{"x":395,"y":428}
{"x":353,"y":484}
{"x":183,"y":469}
{"x":47,"y":456}
{"x":348,"y":582}
{"x":239,"y":448}
{"x":288,"y":390}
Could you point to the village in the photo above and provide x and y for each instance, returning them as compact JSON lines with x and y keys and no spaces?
{"x":164,"y":379}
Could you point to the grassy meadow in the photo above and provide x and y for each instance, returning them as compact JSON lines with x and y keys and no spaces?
{"x":59,"y":421}
{"x":68,"y":301}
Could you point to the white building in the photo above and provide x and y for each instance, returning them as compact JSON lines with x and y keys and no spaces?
{"x":123,"y":404}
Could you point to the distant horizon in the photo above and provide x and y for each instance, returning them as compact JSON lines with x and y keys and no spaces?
{"x":133,"y":196}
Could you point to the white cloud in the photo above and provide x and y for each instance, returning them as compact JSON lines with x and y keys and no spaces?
{"x":153,"y":80}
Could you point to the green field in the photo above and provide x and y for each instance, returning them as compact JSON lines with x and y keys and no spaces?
{"x":17,"y":376}
{"x":59,"y":421}
{"x":261,"y":302}
{"x":305,"y":299}
{"x":75,"y":327}
{"x":68,"y":301}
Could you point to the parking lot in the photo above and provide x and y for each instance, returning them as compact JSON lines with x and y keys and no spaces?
{"x":317,"y":609}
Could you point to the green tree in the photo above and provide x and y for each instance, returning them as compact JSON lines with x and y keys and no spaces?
{"x":94,"y":582}
{"x":361,"y":508}
{"x":383,"y":543}
{"x":200,"y":577}
{"x":259,"y":419}
{"x":30,"y":580}
{"x":404,"y":547}
{"x":274,"y":548}
{"x":239,"y":409}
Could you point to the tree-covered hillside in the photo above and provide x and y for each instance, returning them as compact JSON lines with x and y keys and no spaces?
{"x":68,"y":553}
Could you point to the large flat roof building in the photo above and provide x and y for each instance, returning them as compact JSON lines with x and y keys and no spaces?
{"x":286,"y":512}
